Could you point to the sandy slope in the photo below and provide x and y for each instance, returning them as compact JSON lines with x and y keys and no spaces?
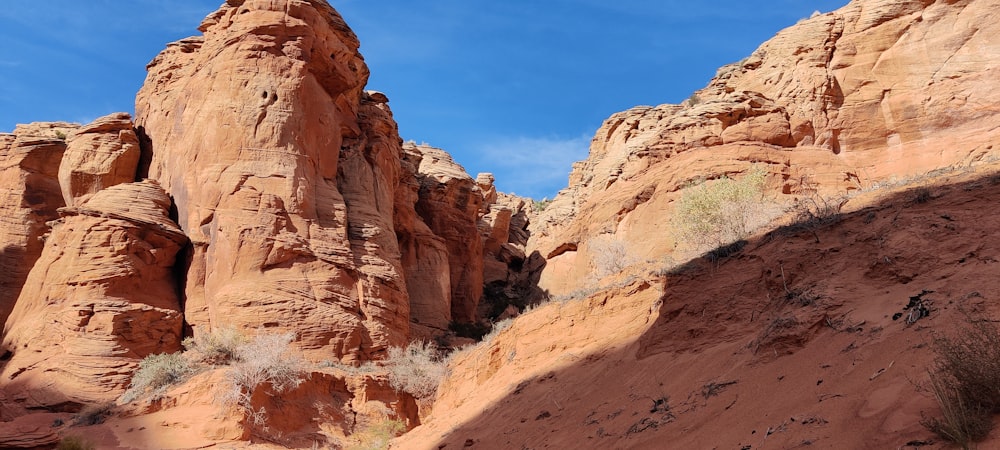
{"x":719,"y":355}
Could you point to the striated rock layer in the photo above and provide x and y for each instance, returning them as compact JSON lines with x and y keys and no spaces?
{"x":841,"y":101}
{"x":101,"y":297}
{"x":284,"y":173}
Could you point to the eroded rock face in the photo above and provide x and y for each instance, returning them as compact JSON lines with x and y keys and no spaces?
{"x":449,"y":203}
{"x":99,"y":155}
{"x":29,"y":197}
{"x":838,"y":102}
{"x":284,"y":174}
{"x":101,"y":297}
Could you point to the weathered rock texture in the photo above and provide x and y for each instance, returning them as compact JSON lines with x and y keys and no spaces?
{"x":29,"y":197}
{"x":101,"y":297}
{"x":99,"y":155}
{"x":284,"y":173}
{"x":841,"y":101}
{"x":449,"y":204}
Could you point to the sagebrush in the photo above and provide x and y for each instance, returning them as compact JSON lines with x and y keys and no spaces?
{"x":220,"y":346}
{"x":156,"y":373}
{"x":965,"y":381}
{"x":716,"y":213}
{"x":267,"y":358}
{"x":416,"y":369}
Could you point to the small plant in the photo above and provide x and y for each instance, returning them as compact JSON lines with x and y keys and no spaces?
{"x":966,"y":383}
{"x":156,"y":373}
{"x":217,"y":347}
{"x":267,"y":358}
{"x":610,"y":255}
{"x":727,"y":210}
{"x":416,"y":369}
{"x":694,"y":99}
{"x":74,"y":443}
{"x":378,"y":435}
{"x":540,"y":205}
{"x":922,"y":195}
{"x":61,"y":135}
{"x":93,"y":414}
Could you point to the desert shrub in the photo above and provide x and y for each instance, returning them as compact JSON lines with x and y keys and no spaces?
{"x":74,"y":443}
{"x":610,"y":255}
{"x":377,"y":435}
{"x":717,"y":213}
{"x":965,"y":381}
{"x":93,"y":414}
{"x":267,"y":358}
{"x":217,"y":347}
{"x":156,"y":373}
{"x":416,"y":369}
{"x":540,"y":205}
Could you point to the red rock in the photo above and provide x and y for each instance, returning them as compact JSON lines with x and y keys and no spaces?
{"x":284,"y":174}
{"x":101,"y":297}
{"x":99,"y":155}
{"x":450,"y":204}
{"x":30,"y":197}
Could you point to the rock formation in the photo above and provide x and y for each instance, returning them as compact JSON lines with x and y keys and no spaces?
{"x":284,"y":173}
{"x":100,"y":298}
{"x":30,"y":198}
{"x":99,"y":155}
{"x":449,"y":204}
{"x":841,"y":101}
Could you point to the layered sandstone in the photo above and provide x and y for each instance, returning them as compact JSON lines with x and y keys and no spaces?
{"x":449,"y":203}
{"x":99,"y":155}
{"x":841,"y":101}
{"x":29,"y":197}
{"x":284,"y":173}
{"x":101,"y":297}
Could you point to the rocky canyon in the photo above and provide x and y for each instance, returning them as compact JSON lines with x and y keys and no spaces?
{"x":260,"y":203}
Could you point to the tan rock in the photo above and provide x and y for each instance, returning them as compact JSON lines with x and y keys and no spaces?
{"x":101,"y":297}
{"x":284,"y":173}
{"x":99,"y":155}
{"x":839,"y":102}
{"x":29,"y":197}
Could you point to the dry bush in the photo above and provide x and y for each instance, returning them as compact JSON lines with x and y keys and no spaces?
{"x":267,"y":358}
{"x":713,"y":214}
{"x":93,"y":414}
{"x":966,"y":383}
{"x":377,"y":435}
{"x":216,"y":347}
{"x":155,"y":374}
{"x":74,"y":443}
{"x":416,"y":369}
{"x":610,"y":255}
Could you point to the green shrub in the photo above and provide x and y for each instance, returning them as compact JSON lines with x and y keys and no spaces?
{"x":156,"y":373}
{"x":713,"y":214}
{"x":377,"y":436}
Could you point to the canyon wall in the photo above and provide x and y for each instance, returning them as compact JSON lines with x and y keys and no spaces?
{"x":843,"y":101}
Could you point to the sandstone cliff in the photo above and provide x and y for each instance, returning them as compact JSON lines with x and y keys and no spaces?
{"x":841,"y":101}
{"x":31,"y":196}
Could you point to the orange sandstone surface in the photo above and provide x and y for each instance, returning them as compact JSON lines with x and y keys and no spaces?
{"x":260,"y":188}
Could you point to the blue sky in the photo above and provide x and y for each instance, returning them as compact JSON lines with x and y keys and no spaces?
{"x":515,"y":87}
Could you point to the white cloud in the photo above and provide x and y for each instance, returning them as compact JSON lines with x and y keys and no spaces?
{"x":533,"y":166}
